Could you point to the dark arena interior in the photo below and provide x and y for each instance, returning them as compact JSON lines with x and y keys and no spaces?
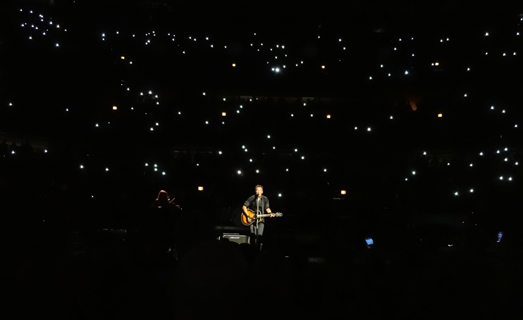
{"x":384,"y":133}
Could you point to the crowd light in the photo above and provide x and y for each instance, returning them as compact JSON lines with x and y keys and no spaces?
{"x":115,"y":108}
{"x":200,"y":188}
{"x":343,"y":192}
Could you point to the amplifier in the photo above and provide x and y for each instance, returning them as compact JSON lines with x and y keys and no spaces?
{"x":236,"y":237}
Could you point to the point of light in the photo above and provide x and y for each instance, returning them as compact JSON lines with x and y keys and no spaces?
{"x":471,"y":190}
{"x":81,"y":166}
{"x":239,"y":172}
{"x":200,"y":188}
{"x":343,"y":192}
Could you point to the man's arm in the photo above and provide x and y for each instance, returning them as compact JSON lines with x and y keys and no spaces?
{"x":268,"y":209}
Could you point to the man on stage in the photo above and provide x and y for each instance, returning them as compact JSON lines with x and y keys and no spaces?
{"x":259,"y":204}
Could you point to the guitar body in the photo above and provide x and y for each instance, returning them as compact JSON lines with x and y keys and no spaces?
{"x":250,"y":217}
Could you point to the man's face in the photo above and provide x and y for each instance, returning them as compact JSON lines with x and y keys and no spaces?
{"x":259,"y":190}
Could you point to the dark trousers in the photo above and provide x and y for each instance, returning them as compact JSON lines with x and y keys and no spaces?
{"x":256,"y":240}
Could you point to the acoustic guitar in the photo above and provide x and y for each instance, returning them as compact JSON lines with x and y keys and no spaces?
{"x":250,"y":217}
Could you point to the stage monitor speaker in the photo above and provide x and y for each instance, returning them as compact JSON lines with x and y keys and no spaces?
{"x":237,"y":238}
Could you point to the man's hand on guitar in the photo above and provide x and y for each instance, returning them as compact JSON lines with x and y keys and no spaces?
{"x":272,"y":215}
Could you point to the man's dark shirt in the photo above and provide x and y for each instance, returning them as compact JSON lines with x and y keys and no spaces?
{"x":253,"y":204}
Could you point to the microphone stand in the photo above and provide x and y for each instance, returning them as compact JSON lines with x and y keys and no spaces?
{"x":257,"y":210}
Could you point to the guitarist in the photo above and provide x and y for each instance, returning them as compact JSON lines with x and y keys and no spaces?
{"x":257,"y":203}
